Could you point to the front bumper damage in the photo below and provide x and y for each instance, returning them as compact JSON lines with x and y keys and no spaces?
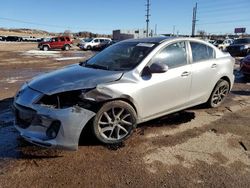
{"x":49,"y":127}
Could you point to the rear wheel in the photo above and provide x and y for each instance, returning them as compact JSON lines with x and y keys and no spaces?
{"x":114,"y":122}
{"x":219,"y":93}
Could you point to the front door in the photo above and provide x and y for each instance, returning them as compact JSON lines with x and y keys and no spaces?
{"x":165,"y":92}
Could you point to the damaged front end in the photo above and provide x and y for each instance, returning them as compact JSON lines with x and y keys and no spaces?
{"x":53,"y":120}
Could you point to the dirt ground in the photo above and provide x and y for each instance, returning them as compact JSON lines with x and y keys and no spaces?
{"x":198,"y":147}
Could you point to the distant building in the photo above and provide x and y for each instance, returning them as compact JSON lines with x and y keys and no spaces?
{"x":123,"y":34}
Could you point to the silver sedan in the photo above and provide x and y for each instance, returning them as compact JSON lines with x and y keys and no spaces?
{"x":128,"y":83}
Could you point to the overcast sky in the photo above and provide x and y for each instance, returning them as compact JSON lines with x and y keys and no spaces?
{"x":103,"y":16}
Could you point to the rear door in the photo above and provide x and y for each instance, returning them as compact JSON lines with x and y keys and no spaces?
{"x":204,"y":70}
{"x":95,"y":42}
{"x":61,"y":42}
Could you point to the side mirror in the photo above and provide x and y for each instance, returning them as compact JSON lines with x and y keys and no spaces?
{"x":158,"y":68}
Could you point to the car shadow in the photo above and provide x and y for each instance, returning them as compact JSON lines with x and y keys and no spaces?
{"x":170,"y":120}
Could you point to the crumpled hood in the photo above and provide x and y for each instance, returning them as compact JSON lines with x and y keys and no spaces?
{"x":73,"y":77}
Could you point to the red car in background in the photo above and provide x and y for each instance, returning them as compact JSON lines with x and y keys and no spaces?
{"x":61,"y":42}
{"x":245,"y":66}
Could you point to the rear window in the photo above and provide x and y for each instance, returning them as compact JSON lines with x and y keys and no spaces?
{"x":62,"y":39}
{"x":201,"y":52}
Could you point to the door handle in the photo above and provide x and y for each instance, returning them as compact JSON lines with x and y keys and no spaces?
{"x":214,"y":66}
{"x":186,"y":73}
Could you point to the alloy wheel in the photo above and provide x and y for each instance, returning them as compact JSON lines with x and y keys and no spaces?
{"x":220,"y":93}
{"x":115,"y":124}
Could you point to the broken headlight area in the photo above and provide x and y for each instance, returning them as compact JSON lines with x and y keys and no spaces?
{"x":68,"y":99}
{"x":53,"y":129}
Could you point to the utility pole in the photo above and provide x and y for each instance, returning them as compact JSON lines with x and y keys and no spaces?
{"x":173,"y":30}
{"x":147,"y":17}
{"x":194,"y":20}
{"x":155,"y":29}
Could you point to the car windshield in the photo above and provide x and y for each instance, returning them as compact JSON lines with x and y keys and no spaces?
{"x":120,"y":56}
{"x":87,"y":40}
{"x":242,"y":41}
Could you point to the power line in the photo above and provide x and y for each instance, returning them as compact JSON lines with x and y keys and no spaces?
{"x":233,"y":4}
{"x":226,"y":21}
{"x":206,"y":4}
{"x":222,"y":9}
{"x":49,"y":25}
{"x":32,"y":23}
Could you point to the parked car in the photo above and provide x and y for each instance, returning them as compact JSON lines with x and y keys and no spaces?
{"x":245,"y":66}
{"x":2,"y":38}
{"x":130,"y":82}
{"x":13,"y":38}
{"x":103,"y":45}
{"x":61,"y":42}
{"x":88,"y":44}
{"x":217,"y":42}
{"x":240,"y":47}
{"x":29,"y":39}
{"x":225,"y":44}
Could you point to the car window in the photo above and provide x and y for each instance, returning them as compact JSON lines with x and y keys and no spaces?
{"x":54,"y":39}
{"x":174,"y":55}
{"x":67,"y":39}
{"x":201,"y":52}
{"x":96,"y":40}
{"x":62,"y":39}
{"x":101,"y":40}
{"x":121,"y":56}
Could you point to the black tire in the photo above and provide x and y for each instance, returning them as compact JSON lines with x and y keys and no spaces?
{"x":45,"y":48}
{"x":114,"y":122}
{"x":219,"y":93}
{"x":66,"y":47}
{"x":88,"y":47}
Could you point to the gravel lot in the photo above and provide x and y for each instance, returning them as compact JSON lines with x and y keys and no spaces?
{"x":198,"y":147}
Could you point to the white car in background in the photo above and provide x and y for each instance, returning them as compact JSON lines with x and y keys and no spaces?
{"x":225,"y":44}
{"x":89,"y":43}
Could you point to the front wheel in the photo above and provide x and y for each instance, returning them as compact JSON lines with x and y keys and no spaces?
{"x":45,"y":48}
{"x":114,"y":122}
{"x":219,"y":93}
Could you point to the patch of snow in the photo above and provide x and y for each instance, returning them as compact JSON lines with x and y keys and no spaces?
{"x":67,"y":58}
{"x":11,"y":80}
{"x":42,"y":53}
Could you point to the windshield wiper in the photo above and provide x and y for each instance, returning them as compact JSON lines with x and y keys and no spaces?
{"x":95,"y":66}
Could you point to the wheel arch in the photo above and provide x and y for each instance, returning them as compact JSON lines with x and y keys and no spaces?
{"x":87,"y":129}
{"x":226,"y":78}
{"x":46,"y":45}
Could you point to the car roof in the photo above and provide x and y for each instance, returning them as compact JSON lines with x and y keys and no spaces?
{"x":151,"y":39}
